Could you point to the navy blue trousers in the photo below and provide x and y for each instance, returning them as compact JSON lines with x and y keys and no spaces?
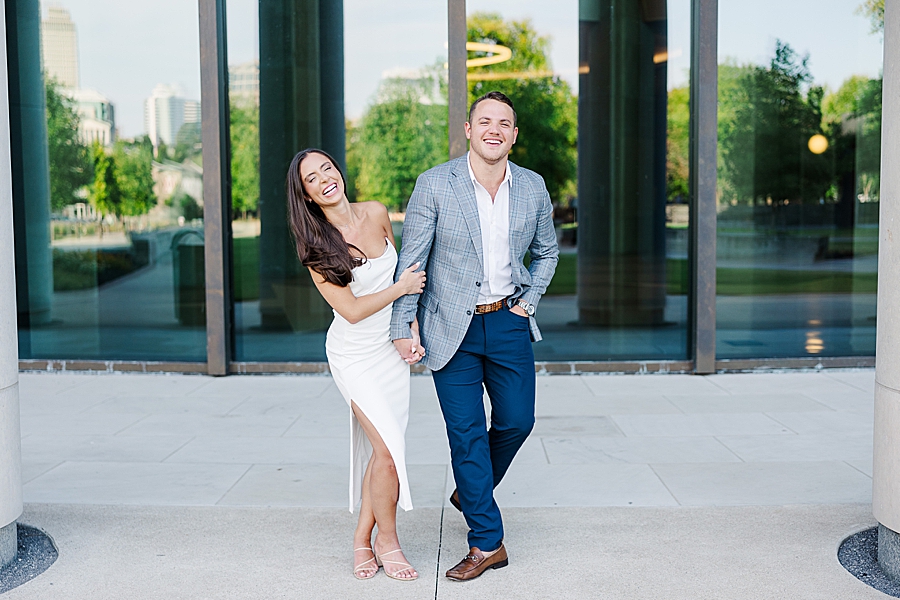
{"x":495,"y":355}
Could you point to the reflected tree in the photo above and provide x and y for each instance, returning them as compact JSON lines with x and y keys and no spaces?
{"x":71,"y":165}
{"x":244,"y":158}
{"x":767,"y":116}
{"x":401,"y":134}
{"x":547,"y":109}
{"x":133,"y":168}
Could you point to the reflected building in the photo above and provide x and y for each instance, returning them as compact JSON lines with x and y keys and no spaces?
{"x":165,"y":111}
{"x":97,"y":116}
{"x":59,"y":41}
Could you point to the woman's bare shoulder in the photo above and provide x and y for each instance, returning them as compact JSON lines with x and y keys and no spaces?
{"x":373,"y":208}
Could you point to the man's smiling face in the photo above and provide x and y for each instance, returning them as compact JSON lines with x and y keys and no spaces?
{"x":492,"y":131}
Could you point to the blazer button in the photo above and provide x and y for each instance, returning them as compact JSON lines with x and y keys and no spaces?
{"x":468,"y":312}
{"x":478,"y":283}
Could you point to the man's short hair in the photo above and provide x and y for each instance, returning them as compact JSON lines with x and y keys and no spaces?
{"x":499,"y":97}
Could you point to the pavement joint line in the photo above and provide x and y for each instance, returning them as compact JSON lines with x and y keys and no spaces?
{"x":175,"y":451}
{"x":437,"y":564}
{"x":236,"y":481}
{"x":768,"y":416}
{"x":674,"y":497}
{"x":546,"y":455}
{"x":132,"y":424}
{"x":724,"y":445}
{"x":860,"y":470}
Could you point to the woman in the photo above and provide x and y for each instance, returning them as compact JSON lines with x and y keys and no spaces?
{"x":349,"y":251}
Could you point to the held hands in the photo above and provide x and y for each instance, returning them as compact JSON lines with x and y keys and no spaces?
{"x":411,"y":350}
{"x":411,"y":282}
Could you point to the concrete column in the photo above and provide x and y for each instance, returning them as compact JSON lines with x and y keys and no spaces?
{"x":886,"y":469}
{"x":10,"y":435}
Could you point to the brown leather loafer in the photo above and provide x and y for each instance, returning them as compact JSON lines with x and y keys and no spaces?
{"x":454,"y":500}
{"x":475,"y":563}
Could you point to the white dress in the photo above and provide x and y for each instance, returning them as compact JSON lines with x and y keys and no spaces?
{"x":368,"y":370}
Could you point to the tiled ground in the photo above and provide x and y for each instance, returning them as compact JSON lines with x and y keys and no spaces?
{"x":628,"y":440}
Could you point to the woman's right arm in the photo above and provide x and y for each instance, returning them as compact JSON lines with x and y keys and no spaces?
{"x":355,"y":309}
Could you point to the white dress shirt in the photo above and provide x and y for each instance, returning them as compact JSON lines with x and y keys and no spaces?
{"x":493,"y":216}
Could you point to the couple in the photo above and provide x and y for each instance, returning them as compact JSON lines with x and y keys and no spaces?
{"x":469,"y":223}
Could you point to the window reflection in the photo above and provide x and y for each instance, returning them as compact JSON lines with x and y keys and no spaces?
{"x":603,"y":117}
{"x":107,"y":181}
{"x":799,"y":159}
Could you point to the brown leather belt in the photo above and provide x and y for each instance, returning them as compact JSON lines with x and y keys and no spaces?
{"x":483,"y":309}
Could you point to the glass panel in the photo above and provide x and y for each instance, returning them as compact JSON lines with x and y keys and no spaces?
{"x":364,"y":81}
{"x":601,"y":92}
{"x":798,"y":169}
{"x":107,"y":180}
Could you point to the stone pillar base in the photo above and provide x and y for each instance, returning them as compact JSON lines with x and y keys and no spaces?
{"x":9,"y":544}
{"x":889,"y":552}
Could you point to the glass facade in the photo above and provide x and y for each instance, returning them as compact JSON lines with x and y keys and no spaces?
{"x":108,"y":175}
{"x":798,"y":180}
{"x":107,"y":181}
{"x":601,"y":87}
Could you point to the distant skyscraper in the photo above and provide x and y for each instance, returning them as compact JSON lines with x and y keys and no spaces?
{"x":191,"y":111}
{"x":165,"y":111}
{"x":59,"y":42}
{"x":243,"y":83}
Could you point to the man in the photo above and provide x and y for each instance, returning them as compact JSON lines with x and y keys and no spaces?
{"x":469,"y":223}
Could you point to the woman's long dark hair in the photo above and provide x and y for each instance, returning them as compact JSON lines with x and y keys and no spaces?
{"x":320,"y":246}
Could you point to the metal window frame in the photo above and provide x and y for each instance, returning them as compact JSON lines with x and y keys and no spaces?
{"x":216,"y":184}
{"x":457,"y":85}
{"x":702,"y":167}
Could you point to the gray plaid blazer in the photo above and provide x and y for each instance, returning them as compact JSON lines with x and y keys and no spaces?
{"x":443,"y":234}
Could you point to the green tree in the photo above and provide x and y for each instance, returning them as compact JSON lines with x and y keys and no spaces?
{"x":547,"y":109}
{"x":677,"y":144}
{"x":767,"y":116}
{"x":244,"y":158}
{"x":402,"y":134}
{"x":71,"y":167}
{"x":188,"y":144}
{"x":874,"y":9}
{"x":104,"y":194}
{"x":133,"y":168}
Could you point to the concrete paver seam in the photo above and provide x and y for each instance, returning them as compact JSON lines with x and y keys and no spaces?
{"x":175,"y":451}
{"x":236,"y":481}
{"x":130,"y":425}
{"x":671,"y":493}
{"x":546,"y":455}
{"x":715,"y":437}
{"x":858,"y":469}
{"x":767,"y":415}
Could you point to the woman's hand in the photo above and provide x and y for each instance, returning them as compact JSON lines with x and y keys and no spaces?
{"x":411,"y":282}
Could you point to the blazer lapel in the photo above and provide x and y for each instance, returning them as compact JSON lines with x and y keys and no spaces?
{"x":465,"y":195}
{"x":518,"y":205}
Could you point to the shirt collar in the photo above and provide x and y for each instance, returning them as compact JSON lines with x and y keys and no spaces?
{"x":507,"y":178}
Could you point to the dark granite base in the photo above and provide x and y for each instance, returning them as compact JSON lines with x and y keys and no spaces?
{"x":36,"y":553}
{"x":859,"y":555}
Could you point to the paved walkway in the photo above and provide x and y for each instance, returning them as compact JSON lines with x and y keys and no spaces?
{"x":672,"y":486}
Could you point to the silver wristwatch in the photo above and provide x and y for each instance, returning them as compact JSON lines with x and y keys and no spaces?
{"x":526,"y":306}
